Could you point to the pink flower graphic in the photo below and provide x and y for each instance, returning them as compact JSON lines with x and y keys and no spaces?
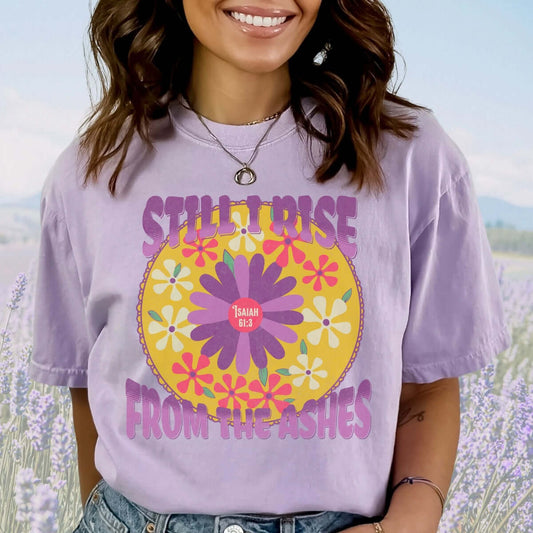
{"x":198,"y":247}
{"x":269,"y":395}
{"x":287,"y":243}
{"x":320,"y":273}
{"x":231,"y":391}
{"x":193,"y":374}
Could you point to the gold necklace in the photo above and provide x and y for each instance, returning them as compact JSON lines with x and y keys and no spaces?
{"x":271,"y":117}
{"x":253,"y":122}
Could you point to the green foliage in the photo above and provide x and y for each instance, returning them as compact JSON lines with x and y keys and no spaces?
{"x":510,"y":240}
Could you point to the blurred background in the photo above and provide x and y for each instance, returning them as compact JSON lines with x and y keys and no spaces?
{"x":470,"y":62}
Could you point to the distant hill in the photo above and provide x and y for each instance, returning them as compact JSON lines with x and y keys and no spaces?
{"x":19,"y":219}
{"x":501,"y":214}
{"x":19,"y":224}
{"x":26,"y":202}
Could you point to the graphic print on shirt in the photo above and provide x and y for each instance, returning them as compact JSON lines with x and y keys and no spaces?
{"x":252,"y":311}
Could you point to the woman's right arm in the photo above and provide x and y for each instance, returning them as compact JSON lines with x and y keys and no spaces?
{"x":86,"y":436}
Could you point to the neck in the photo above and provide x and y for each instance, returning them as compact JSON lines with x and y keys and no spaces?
{"x":222,"y":93}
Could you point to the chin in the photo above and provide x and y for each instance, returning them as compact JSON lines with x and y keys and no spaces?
{"x":260,"y":64}
{"x":261,"y":68}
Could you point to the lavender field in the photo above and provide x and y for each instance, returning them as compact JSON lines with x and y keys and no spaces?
{"x":491,"y":492}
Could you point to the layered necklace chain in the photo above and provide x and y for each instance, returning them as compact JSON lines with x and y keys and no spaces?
{"x":245,"y":175}
{"x":271,"y":117}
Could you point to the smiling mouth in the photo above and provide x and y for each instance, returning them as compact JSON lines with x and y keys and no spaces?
{"x":257,"y":21}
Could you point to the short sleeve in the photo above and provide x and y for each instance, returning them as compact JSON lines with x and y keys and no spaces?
{"x":456,"y":321}
{"x":60,"y":340}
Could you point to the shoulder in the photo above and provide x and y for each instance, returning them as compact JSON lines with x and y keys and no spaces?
{"x":425,"y":166}
{"x":64,"y":176}
{"x":430,"y":157}
{"x":65,"y":183}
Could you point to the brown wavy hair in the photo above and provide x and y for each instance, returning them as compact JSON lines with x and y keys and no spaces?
{"x":143,"y":55}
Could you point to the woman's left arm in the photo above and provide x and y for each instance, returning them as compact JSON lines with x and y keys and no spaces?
{"x":426,"y":446}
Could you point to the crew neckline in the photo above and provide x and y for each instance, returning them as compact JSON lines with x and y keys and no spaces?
{"x":232,"y":136}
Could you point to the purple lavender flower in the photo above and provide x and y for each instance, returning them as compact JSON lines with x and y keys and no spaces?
{"x":20,"y":385}
{"x":524,"y":516}
{"x":56,"y":481}
{"x":44,"y":503}
{"x":25,"y":354}
{"x":24,"y":489}
{"x":245,"y":313}
{"x":63,"y":398}
{"x":17,"y":291}
{"x":492,"y":478}
{"x":6,"y":360}
{"x":62,"y":445}
{"x":5,"y":377}
{"x":6,"y":340}
{"x":16,"y":451}
{"x":40,"y":414}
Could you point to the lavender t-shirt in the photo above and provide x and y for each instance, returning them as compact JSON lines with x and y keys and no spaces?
{"x":244,"y":348}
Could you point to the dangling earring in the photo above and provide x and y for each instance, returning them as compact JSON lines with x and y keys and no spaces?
{"x":322,"y":55}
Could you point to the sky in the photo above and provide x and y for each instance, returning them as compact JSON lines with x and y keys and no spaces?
{"x":469,"y":61}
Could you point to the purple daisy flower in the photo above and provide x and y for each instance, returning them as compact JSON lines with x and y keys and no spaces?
{"x":245,"y":314}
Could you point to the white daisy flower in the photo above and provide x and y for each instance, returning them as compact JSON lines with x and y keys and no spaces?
{"x":327,"y":321}
{"x":170,"y":327}
{"x":250,"y":239}
{"x":306,"y":371}
{"x":173,"y":278}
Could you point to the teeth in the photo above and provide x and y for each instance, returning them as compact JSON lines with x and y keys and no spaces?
{"x":258,"y":21}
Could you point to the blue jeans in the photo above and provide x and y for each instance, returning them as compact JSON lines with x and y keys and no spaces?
{"x":108,"y":511}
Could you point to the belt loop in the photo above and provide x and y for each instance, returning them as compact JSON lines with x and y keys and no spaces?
{"x":161,"y":524}
{"x":287,"y":524}
{"x":216,"y":527}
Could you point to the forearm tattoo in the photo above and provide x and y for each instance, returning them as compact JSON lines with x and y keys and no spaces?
{"x":405,"y":416}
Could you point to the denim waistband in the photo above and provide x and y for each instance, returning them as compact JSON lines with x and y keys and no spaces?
{"x":109,"y":511}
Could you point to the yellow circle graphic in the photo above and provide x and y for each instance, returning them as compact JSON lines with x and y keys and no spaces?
{"x":250,"y":320}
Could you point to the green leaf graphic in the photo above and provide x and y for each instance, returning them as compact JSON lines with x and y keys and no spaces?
{"x":177,"y":270}
{"x":272,"y":213}
{"x":289,"y":400}
{"x":263,"y":375}
{"x":347,"y":295}
{"x":155,"y":316}
{"x":283,"y":371}
{"x":228,"y":259}
{"x":207,"y":392}
{"x":303,"y":347}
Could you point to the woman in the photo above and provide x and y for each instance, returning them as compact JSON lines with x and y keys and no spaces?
{"x":261,"y":274}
